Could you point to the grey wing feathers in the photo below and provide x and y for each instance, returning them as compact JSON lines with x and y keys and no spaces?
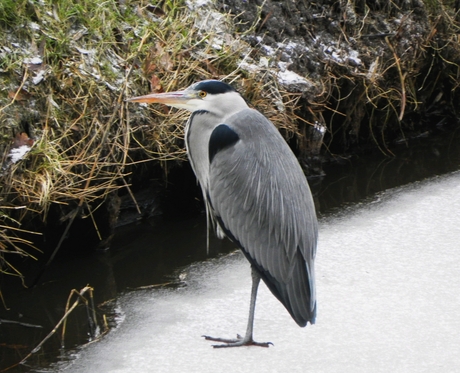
{"x":261,"y":199}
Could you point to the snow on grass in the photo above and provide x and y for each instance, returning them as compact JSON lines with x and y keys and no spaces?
{"x":292,"y":80}
{"x":16,"y":154}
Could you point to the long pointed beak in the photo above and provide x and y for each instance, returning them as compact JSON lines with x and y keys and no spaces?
{"x":169,"y":98}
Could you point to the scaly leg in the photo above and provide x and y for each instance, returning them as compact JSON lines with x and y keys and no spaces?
{"x":247,"y":340}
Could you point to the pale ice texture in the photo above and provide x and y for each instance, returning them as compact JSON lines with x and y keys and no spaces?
{"x":388,"y":284}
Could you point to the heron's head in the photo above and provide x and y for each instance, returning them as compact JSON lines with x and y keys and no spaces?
{"x":212,"y":96}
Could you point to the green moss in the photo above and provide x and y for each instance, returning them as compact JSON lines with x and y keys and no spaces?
{"x":14,"y":12}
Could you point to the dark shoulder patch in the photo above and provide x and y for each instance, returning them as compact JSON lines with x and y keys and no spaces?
{"x":214,"y":87}
{"x":222,"y":137}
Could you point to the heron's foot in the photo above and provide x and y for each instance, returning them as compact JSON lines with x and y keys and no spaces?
{"x":239,"y":341}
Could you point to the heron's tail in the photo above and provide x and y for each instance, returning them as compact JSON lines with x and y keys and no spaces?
{"x":298,"y":295}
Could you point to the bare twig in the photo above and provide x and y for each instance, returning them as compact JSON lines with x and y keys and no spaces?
{"x":80,"y":297}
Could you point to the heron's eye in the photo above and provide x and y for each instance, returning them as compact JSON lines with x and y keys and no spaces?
{"x":203,"y":94}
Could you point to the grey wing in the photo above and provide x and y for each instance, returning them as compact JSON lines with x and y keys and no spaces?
{"x":261,"y":199}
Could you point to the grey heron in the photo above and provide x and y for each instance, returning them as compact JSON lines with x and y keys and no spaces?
{"x":255,"y":193}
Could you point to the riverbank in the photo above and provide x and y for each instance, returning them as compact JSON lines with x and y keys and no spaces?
{"x":337,"y":78}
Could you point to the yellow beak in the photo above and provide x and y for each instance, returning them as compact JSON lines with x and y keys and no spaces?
{"x":177,"y":98}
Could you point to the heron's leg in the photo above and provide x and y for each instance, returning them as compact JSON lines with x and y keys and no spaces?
{"x":252,"y":305}
{"x":247,"y":340}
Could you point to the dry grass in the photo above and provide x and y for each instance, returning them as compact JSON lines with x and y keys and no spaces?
{"x":12,"y":242}
{"x":71,"y":100}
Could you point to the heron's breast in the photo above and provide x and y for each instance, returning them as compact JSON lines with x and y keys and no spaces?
{"x":197,"y":143}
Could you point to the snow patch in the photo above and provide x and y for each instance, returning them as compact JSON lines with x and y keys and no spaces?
{"x":269,"y":51}
{"x":33,"y":60}
{"x":39,"y":77}
{"x":34,"y":26}
{"x":195,"y":4}
{"x":16,"y":154}
{"x":292,"y":80}
{"x":338,"y":52}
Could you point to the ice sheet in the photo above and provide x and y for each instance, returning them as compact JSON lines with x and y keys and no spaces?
{"x":388,"y":280}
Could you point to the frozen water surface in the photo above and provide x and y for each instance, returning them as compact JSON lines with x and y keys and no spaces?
{"x":388,"y":275}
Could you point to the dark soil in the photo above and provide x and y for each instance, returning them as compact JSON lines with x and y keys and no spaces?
{"x":338,"y":44}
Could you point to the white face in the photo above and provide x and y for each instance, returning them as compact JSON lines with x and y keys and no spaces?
{"x":221,"y":104}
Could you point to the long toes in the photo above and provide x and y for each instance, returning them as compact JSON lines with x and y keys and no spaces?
{"x":223,"y":340}
{"x":244,"y":343}
{"x":236,"y":342}
{"x":262,"y":344}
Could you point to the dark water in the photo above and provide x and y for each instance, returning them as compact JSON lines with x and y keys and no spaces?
{"x":150,"y":252}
